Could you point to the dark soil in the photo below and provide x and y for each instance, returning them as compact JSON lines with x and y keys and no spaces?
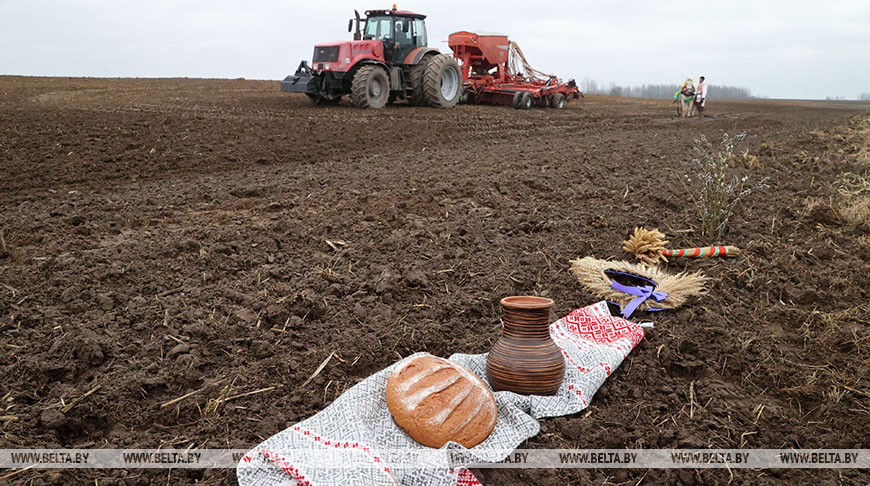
{"x":169,"y":236}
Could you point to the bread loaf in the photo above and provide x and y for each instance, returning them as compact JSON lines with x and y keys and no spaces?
{"x":436,"y":401}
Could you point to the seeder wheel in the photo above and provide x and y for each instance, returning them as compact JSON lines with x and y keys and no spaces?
{"x":525,"y":101}
{"x":558,"y":101}
{"x":516,"y":101}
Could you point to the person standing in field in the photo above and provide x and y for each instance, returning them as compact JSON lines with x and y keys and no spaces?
{"x":701,"y":96}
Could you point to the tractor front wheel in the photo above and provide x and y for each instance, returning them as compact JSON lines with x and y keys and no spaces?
{"x":442,"y":81}
{"x":370,"y":87}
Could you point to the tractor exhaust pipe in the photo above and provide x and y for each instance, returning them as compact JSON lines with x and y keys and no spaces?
{"x":357,"y":35}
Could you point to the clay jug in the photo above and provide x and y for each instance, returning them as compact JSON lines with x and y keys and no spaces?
{"x":525,"y":359}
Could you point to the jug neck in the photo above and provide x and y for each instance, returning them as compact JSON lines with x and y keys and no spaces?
{"x":527,"y":323}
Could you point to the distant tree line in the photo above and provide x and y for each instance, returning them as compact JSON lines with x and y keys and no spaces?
{"x":861,"y":97}
{"x":591,"y":86}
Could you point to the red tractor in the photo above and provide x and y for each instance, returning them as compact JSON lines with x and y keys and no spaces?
{"x":387,"y":61}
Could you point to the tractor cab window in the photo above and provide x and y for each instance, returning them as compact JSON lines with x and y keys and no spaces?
{"x":378,"y":28}
{"x":419,"y":32}
{"x":404,"y":32}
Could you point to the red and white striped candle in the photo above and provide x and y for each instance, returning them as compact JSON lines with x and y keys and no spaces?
{"x":703,"y":252}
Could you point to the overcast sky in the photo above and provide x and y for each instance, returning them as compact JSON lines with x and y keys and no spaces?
{"x":795,"y":49}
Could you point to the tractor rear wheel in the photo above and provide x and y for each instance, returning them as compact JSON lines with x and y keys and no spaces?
{"x":370,"y":87}
{"x":417,"y":97}
{"x":442,"y":81}
{"x":558,"y":101}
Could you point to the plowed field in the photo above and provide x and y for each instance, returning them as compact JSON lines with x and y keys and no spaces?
{"x":164,"y":237}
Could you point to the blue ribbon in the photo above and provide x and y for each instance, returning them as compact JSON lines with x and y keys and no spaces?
{"x":643,"y":292}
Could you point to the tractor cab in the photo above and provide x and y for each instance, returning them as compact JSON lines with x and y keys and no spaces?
{"x":400,"y":31}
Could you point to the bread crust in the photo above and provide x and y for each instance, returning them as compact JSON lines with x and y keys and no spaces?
{"x":435,"y":401}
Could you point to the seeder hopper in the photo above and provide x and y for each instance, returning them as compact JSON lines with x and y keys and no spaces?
{"x":495,"y":71}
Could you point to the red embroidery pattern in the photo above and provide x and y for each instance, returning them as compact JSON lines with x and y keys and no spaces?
{"x":281,"y":462}
{"x":582,"y":369}
{"x":344,"y":445}
{"x":602,"y":329}
{"x":467,"y":478}
{"x":579,"y":394}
